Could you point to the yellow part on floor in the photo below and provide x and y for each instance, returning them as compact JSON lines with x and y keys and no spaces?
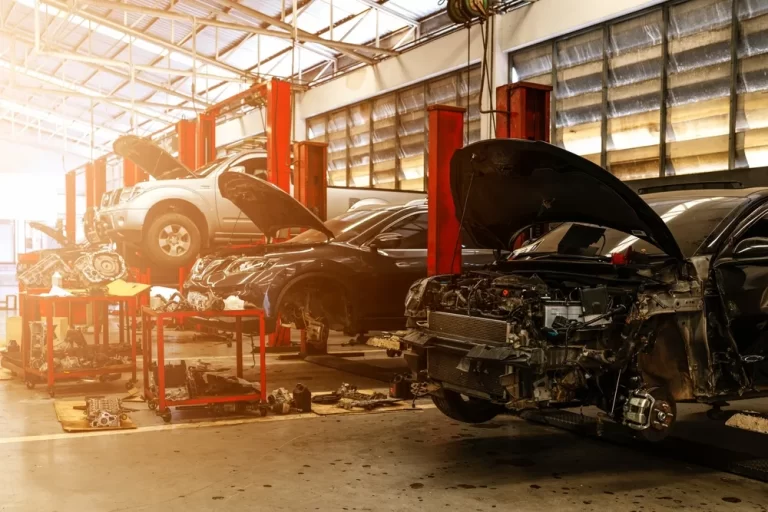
{"x":74,"y":420}
{"x":5,"y":374}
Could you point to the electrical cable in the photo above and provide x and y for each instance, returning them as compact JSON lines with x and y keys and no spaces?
{"x":461,"y":221}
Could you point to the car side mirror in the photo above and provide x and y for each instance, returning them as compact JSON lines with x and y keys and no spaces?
{"x":751,"y":248}
{"x":386,"y":241}
{"x":237,"y":168}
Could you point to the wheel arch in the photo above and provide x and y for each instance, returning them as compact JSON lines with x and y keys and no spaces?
{"x":179,"y":206}
{"x":314,"y":276}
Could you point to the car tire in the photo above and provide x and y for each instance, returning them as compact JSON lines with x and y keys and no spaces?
{"x":172,"y":240}
{"x":471,"y":410}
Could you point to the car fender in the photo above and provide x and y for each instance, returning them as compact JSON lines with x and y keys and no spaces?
{"x":201,"y":199}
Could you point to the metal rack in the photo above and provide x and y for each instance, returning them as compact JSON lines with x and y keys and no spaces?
{"x":156,"y":398}
{"x":34,"y":306}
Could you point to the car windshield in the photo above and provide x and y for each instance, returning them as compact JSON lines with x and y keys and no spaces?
{"x":691,"y":221}
{"x":345,"y":227}
{"x":208,"y":168}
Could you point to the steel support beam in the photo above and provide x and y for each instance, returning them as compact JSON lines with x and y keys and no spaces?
{"x":278,"y":129}
{"x":70,"y":205}
{"x":446,"y":135}
{"x":345,"y":48}
{"x":53,"y":117}
{"x":99,"y":179}
{"x":373,"y":4}
{"x":123,"y":103}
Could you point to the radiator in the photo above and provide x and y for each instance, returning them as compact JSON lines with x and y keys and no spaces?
{"x":474,"y":328}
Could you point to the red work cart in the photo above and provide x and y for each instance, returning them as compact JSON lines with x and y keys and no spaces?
{"x":157,"y":398}
{"x":46,"y":306}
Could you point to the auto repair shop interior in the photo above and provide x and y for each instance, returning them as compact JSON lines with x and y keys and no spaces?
{"x":384,"y":255}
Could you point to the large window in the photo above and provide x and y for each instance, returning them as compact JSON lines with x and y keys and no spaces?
{"x":382,"y":143}
{"x":675,"y":89}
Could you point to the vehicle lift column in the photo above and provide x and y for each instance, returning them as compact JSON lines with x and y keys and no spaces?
{"x":310,"y":188}
{"x":523,"y":112}
{"x":446,"y":135}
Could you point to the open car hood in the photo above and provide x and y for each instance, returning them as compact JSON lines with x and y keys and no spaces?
{"x":509,"y":184}
{"x":268,"y":206}
{"x":151,"y":158}
{"x":60,"y":237}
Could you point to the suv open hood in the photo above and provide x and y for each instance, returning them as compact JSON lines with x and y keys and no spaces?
{"x":151,"y":158}
{"x":60,"y":237}
{"x":269,"y":207}
{"x":509,"y":184}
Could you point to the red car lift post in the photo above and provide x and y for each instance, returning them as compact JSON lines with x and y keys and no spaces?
{"x":523,"y":112}
{"x":446,"y":135}
{"x":310,"y":188}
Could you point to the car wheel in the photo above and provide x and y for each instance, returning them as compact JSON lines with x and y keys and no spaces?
{"x":173,"y":240}
{"x":465,"y":409}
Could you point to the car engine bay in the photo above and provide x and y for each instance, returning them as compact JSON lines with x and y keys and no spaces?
{"x":546,"y":340}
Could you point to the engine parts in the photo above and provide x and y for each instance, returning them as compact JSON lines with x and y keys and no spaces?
{"x":104,"y":412}
{"x":100,"y":267}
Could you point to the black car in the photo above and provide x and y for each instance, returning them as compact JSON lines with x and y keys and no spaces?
{"x":630,"y":303}
{"x":348,"y":274}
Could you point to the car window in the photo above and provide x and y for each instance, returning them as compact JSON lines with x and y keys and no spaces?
{"x":413,"y":229}
{"x":757,"y":230}
{"x":691,"y":222}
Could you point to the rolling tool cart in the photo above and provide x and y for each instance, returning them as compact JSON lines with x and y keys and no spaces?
{"x":156,"y":396}
{"x":47,"y":367}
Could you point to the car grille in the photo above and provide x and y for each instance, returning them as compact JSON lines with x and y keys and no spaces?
{"x":472,"y":327}
{"x":443,"y":366}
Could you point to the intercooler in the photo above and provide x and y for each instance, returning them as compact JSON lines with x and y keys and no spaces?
{"x":471,"y":327}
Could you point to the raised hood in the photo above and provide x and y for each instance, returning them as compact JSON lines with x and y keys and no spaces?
{"x":150,"y":157}
{"x":60,"y":237}
{"x":269,"y":207}
{"x":509,"y":184}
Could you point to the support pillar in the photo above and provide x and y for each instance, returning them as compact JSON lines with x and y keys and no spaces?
{"x":278,"y":129}
{"x":310,"y":176}
{"x":89,"y":185}
{"x":523,"y":111}
{"x":70,"y":205}
{"x":99,"y":180}
{"x":206,"y":140}
{"x":446,"y":135}
{"x":186,"y":131}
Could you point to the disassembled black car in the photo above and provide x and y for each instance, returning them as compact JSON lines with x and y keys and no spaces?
{"x":349,"y":274}
{"x":630,"y":305}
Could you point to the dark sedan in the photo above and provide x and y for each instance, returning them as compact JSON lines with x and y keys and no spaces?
{"x":349,"y":274}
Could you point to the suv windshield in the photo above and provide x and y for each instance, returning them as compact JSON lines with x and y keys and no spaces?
{"x":208,"y":168}
{"x":691,"y":221}
{"x":344,"y":227}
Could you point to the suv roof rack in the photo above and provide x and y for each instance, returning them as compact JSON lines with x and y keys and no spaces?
{"x":703,"y":185}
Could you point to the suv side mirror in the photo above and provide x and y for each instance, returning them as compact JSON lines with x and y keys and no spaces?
{"x":386,"y":241}
{"x":237,"y":168}
{"x":751,"y":248}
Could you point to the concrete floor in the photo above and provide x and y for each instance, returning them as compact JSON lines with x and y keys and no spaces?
{"x":377,"y":462}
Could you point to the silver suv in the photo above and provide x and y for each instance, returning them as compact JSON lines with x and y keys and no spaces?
{"x":171,"y":217}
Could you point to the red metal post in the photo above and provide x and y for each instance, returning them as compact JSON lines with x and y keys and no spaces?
{"x":186,"y":131}
{"x":133,"y":174}
{"x":70,"y":198}
{"x":239,"y":345}
{"x":523,"y":111}
{"x":89,"y":185}
{"x":310,"y":161}
{"x":278,"y":129}
{"x":206,"y":139}
{"x":99,"y":179}
{"x":446,"y":135}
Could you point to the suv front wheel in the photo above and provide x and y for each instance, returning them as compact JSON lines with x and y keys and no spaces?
{"x":173,"y":240}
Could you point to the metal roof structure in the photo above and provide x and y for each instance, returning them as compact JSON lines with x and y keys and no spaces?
{"x":75,"y":74}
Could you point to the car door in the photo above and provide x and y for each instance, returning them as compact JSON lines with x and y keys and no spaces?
{"x":741,"y":273}
{"x":234,"y":225}
{"x":395,"y":268}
